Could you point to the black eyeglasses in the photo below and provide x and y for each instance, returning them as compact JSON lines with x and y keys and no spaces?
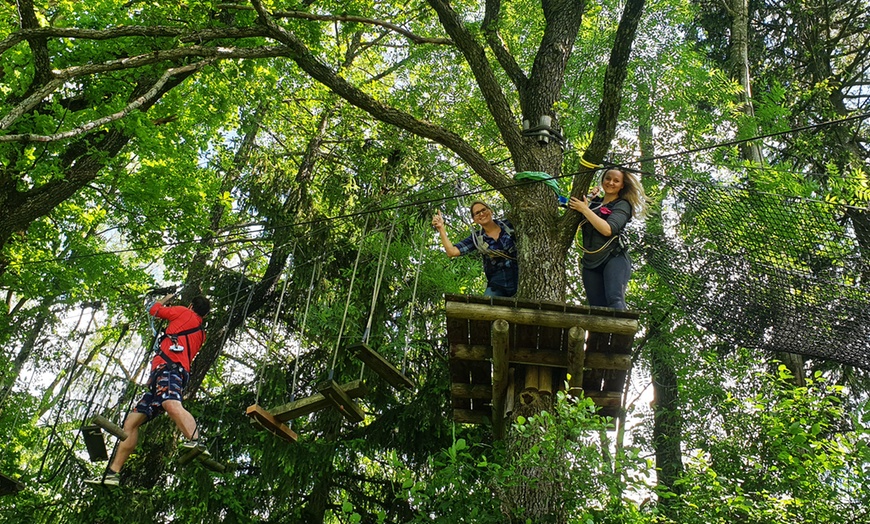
{"x":478,"y":213}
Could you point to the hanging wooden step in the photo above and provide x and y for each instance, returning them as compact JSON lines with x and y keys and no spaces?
{"x":109,"y":426}
{"x":316,"y":402}
{"x":269,"y":422}
{"x":211,"y":464}
{"x":9,"y":486}
{"x":337,"y":397}
{"x":382,"y":367}
{"x":199,"y":454}
{"x":96,"y":446}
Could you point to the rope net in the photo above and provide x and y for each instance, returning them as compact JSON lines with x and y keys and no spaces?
{"x":768,"y":272}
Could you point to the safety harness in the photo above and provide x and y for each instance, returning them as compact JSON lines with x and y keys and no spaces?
{"x":174,"y":338}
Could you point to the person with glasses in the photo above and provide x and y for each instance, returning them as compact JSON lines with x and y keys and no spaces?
{"x":496,"y":244}
{"x":605,"y":264}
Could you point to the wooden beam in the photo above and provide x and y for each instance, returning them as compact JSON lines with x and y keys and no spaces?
{"x":316,"y":402}
{"x":539,"y":357}
{"x":467,"y":416}
{"x":269,"y":422}
{"x":576,"y":359}
{"x":469,"y":352}
{"x":500,"y":340}
{"x":381,"y":366}
{"x":608,"y":361}
{"x":109,"y":426}
{"x":458,"y":390}
{"x":543,"y":357}
{"x":342,"y":401}
{"x":536,"y":317}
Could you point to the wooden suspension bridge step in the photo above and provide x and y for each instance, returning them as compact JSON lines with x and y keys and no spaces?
{"x":211,"y":464}
{"x":269,"y":422}
{"x":342,"y":401}
{"x":9,"y":486}
{"x":381,"y":366}
{"x":316,"y":402}
{"x":109,"y":426}
{"x":96,"y":446}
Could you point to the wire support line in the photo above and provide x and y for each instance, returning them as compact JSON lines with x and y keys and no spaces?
{"x":436,"y":200}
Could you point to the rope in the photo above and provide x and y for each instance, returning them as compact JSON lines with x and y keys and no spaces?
{"x":271,"y":338}
{"x":347,"y":304}
{"x":315,"y":270}
{"x":412,"y":306}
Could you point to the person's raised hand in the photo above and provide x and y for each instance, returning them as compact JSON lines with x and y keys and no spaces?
{"x":438,"y":221}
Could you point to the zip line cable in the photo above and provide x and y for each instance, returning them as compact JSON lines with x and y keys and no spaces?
{"x":457,"y":196}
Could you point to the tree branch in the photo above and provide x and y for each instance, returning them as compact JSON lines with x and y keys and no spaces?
{"x":140,"y":101}
{"x":490,"y":87}
{"x":493,"y":39}
{"x":300,"y":54}
{"x":302,"y":15}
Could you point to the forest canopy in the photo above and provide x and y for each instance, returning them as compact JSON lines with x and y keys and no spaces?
{"x":285,"y":159}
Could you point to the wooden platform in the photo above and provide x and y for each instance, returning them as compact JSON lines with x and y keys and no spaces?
{"x":502,"y":347}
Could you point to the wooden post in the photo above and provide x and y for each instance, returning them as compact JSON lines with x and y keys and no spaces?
{"x":545,"y":381}
{"x":576,"y":359}
{"x":500,"y":340}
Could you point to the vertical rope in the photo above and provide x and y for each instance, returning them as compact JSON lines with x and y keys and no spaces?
{"x":413,"y":304}
{"x":314,"y":271}
{"x":347,"y":304}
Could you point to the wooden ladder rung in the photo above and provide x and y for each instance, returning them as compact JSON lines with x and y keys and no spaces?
{"x":382,"y":367}
{"x":316,"y":402}
{"x":109,"y":426}
{"x":9,"y":486}
{"x":342,"y":401}
{"x":269,"y":422}
{"x":96,"y":446}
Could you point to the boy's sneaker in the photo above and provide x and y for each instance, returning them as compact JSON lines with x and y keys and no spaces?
{"x":105,"y":479}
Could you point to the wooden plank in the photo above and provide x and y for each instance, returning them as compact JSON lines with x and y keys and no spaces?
{"x":500,"y":341}
{"x":469,"y":352}
{"x":9,"y":486}
{"x":342,"y":401}
{"x":381,"y":366}
{"x":457,"y":331}
{"x":467,"y":416}
{"x":109,"y":426}
{"x":316,"y":402}
{"x":458,"y":391}
{"x":539,"y":357}
{"x":269,"y":422}
{"x":605,"y":361}
{"x":96,"y":446}
{"x":608,"y":399}
{"x":625,"y":326}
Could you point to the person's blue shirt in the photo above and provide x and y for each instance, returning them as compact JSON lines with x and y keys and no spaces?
{"x":499,"y":259}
